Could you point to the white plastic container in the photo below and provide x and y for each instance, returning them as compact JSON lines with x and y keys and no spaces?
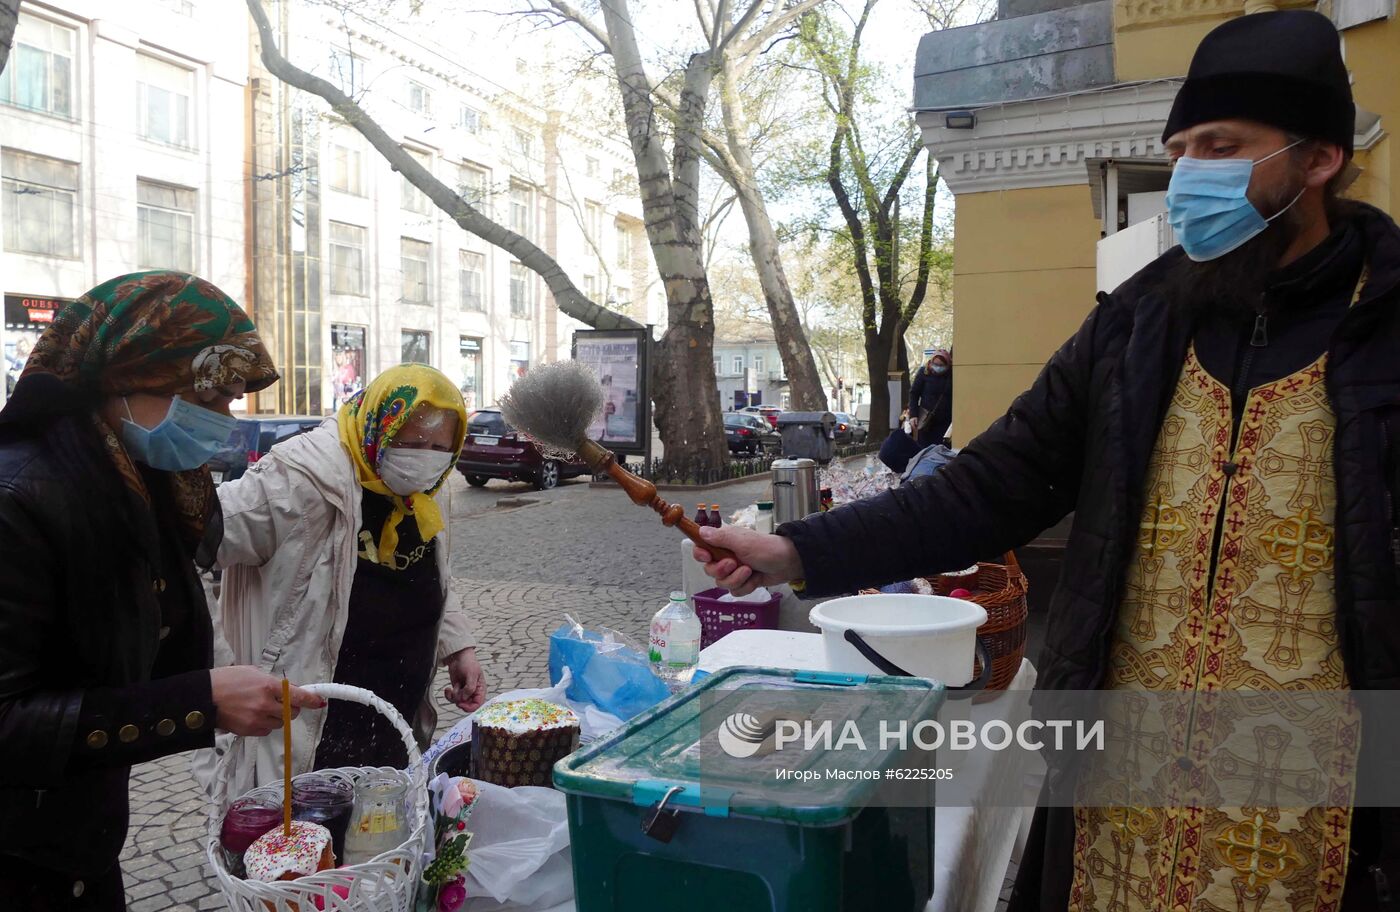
{"x":930,"y":636}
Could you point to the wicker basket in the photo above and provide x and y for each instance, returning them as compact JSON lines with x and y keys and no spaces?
{"x":386,"y":883}
{"x":1001,"y":590}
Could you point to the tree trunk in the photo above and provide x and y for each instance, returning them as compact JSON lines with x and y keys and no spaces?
{"x":9,"y":18}
{"x":804,"y":381}
{"x":684,"y":388}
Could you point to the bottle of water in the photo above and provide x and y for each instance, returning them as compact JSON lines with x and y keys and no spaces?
{"x":675,"y":642}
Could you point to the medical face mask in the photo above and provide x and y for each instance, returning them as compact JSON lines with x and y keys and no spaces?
{"x":940,"y":368}
{"x":185,"y":439}
{"x":408,"y":471}
{"x":1208,"y":205}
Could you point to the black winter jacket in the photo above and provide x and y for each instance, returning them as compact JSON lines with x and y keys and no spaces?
{"x":105,"y":642}
{"x":1080,"y":440}
{"x":932,"y":393}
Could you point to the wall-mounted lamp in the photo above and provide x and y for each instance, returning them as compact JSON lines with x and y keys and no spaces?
{"x":960,"y":120}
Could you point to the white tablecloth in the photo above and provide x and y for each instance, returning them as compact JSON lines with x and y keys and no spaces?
{"x":972,"y":845}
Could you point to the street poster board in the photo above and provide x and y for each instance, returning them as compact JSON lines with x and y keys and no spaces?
{"x":621,"y":359}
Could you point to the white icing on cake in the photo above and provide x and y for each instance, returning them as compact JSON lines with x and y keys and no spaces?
{"x":521,"y":716}
{"x":274,"y":855}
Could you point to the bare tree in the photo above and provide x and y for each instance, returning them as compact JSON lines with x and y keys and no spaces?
{"x":9,"y":18}
{"x":570,"y":300}
{"x":735,"y":38}
{"x":870,"y":213}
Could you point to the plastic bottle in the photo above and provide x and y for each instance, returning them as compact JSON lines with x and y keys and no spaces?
{"x":702,"y":516}
{"x":764,"y":522}
{"x":715,"y":519}
{"x":675,"y":642}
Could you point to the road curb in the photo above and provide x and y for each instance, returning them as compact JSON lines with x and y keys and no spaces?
{"x":757,"y":476}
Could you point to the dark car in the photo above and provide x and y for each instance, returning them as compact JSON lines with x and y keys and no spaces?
{"x":750,"y":434}
{"x":251,"y":440}
{"x":494,"y":450}
{"x":848,"y":429}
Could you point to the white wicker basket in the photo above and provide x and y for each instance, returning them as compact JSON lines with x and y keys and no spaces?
{"x":386,"y":883}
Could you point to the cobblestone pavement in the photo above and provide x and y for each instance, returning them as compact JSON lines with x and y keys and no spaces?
{"x":588,"y":552}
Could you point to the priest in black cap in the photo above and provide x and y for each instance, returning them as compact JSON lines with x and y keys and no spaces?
{"x":1225,"y":428}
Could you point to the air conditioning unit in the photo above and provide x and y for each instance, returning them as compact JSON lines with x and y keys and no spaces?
{"x":1124,"y":253}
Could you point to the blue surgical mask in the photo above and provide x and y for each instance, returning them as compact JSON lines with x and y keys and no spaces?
{"x":1208,"y":205}
{"x":185,"y":438}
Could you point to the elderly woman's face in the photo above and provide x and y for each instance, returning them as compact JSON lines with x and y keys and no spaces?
{"x":429,"y":428}
{"x":148,"y":410}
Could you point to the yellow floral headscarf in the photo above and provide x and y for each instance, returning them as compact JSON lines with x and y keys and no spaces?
{"x":373,"y":417}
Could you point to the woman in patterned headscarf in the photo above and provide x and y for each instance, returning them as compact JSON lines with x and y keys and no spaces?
{"x":105,"y":638}
{"x":336,"y":552}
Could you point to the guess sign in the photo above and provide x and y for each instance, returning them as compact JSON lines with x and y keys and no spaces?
{"x":31,"y":311}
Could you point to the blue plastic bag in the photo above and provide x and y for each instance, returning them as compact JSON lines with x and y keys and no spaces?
{"x":609,"y":671}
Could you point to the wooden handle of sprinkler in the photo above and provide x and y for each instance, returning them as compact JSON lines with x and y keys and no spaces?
{"x":643,"y":494}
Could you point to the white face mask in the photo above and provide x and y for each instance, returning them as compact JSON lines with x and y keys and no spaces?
{"x":411,"y":471}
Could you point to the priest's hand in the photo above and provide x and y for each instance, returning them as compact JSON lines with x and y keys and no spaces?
{"x":762,"y":559}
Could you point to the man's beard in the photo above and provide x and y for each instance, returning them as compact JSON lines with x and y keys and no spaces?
{"x":1233,"y":285}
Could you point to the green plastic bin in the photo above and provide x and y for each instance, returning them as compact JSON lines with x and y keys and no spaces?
{"x":735,"y":848}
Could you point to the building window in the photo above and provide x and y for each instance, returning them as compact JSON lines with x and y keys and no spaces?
{"x":524,"y":142}
{"x":469,"y":356}
{"x":347,"y":71}
{"x":40,"y":72}
{"x":590,"y":287}
{"x":591,"y":166}
{"x":473,"y":279}
{"x":624,"y":247}
{"x":414,"y":259}
{"x":347,"y":259}
{"x":164,"y":226}
{"x":420,"y":98}
{"x":719,"y":368}
{"x":415,"y":346}
{"x":624,"y":297}
{"x":347,"y":163}
{"x":166,"y":96}
{"x":519,"y":359}
{"x":738,"y":364}
{"x":40,"y":205}
{"x":758,"y":364}
{"x":469,"y":119}
{"x":411,"y":199}
{"x":521,"y":207}
{"x":183,"y":7}
{"x":519,"y":290}
{"x":471,"y":184}
{"x":348,"y":355}
{"x":593,"y":221}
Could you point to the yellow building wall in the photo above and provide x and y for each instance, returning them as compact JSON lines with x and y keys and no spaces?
{"x":1371,"y":53}
{"x":1023,"y":281}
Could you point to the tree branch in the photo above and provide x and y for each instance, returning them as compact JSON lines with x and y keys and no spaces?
{"x":570,"y":300}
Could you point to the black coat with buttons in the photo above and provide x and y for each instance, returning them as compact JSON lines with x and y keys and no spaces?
{"x":105,"y":645}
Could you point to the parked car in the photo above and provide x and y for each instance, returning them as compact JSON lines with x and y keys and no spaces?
{"x":768,"y":413}
{"x":750,"y":434}
{"x":493,"y":449}
{"x":251,"y":440}
{"x":849,"y":430}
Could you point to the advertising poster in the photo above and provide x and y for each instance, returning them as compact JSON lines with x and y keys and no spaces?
{"x":619,"y":360}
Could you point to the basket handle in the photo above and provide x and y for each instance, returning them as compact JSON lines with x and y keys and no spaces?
{"x":219,"y":797}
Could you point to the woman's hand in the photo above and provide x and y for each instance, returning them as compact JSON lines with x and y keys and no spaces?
{"x":468,"y":688}
{"x":763,"y":560}
{"x":249,"y":700}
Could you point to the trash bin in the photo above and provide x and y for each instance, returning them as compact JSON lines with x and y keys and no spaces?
{"x":810,"y":435}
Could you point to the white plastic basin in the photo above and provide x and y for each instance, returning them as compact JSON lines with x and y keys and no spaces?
{"x":930,"y":636}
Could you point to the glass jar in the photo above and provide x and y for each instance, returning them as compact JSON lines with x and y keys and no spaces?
{"x":246,"y":820}
{"x":380,"y":821}
{"x":327,"y":800}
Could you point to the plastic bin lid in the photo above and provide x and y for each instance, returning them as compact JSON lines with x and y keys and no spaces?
{"x":676,"y":747}
{"x":806,"y":419}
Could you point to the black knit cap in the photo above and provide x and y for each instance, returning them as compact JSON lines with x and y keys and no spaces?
{"x":1283,"y":68}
